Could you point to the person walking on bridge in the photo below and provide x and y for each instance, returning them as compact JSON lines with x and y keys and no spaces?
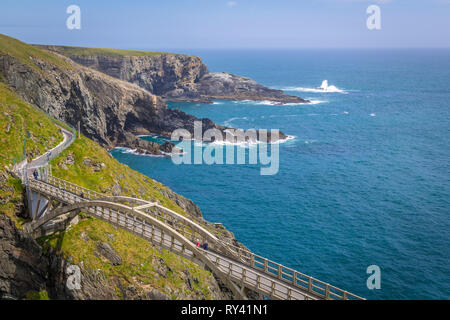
{"x":205,"y":245}
{"x":198,"y":243}
{"x":35,"y":174}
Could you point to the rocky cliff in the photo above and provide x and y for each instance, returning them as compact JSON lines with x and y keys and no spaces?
{"x":111,"y":112}
{"x":174,"y":76}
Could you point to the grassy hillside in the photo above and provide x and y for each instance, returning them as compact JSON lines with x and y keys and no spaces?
{"x":85,"y":51}
{"x":28,"y":54}
{"x":143,"y":266}
{"x":24,"y":128}
{"x":25,"y":132}
{"x":89,"y":165}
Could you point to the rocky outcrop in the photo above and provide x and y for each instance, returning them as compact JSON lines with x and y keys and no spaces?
{"x":231,"y":87}
{"x":109,"y":253}
{"x":22,"y":267}
{"x":179,"y":77}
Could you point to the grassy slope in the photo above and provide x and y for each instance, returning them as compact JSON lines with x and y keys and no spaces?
{"x":22,"y":127}
{"x":132,"y":183}
{"x":27,"y":54}
{"x":85,"y":51}
{"x":139,"y":259}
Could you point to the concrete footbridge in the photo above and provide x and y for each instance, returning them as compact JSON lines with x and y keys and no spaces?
{"x":54,"y":202}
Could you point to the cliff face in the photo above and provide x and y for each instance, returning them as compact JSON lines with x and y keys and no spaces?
{"x":111,"y":112}
{"x":163,"y":75}
{"x":177,"y":77}
{"x":20,"y":257}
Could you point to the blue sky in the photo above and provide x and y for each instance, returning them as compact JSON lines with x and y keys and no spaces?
{"x":196,"y":24}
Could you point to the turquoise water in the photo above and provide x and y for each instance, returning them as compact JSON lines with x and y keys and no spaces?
{"x":365,"y":181}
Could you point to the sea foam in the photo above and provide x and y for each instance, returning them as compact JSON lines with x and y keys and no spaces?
{"x":324,"y":88}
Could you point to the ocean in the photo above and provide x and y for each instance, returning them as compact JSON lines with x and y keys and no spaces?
{"x":365,"y":181}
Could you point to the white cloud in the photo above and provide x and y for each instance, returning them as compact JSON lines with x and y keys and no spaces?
{"x":231,"y":4}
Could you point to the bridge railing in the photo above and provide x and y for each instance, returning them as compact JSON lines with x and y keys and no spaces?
{"x":283,"y":273}
{"x":301,"y":280}
{"x":76,"y":189}
{"x":180,"y":223}
{"x":24,"y":170}
{"x":191,"y":230}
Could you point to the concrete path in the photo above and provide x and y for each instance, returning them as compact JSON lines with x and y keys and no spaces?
{"x":43,"y":160}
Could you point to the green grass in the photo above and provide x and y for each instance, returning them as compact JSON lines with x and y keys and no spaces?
{"x":27,"y":53}
{"x":23,"y":128}
{"x":35,"y":295}
{"x":139,"y":258}
{"x":87,"y":52}
{"x":131,"y":182}
{"x":11,"y":192}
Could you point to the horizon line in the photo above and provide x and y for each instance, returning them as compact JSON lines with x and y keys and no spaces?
{"x":244,"y":48}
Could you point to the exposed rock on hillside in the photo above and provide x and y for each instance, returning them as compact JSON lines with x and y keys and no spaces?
{"x":22,"y":268}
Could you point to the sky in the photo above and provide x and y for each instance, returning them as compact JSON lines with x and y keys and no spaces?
{"x":224,"y":24}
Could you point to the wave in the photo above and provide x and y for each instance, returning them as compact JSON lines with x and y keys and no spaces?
{"x":268,"y":103}
{"x":313,"y":101}
{"x":228,"y":122}
{"x":288,"y":138}
{"x":243,"y":144}
{"x":324,"y":88}
{"x":134,"y":151}
{"x":331,"y":89}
